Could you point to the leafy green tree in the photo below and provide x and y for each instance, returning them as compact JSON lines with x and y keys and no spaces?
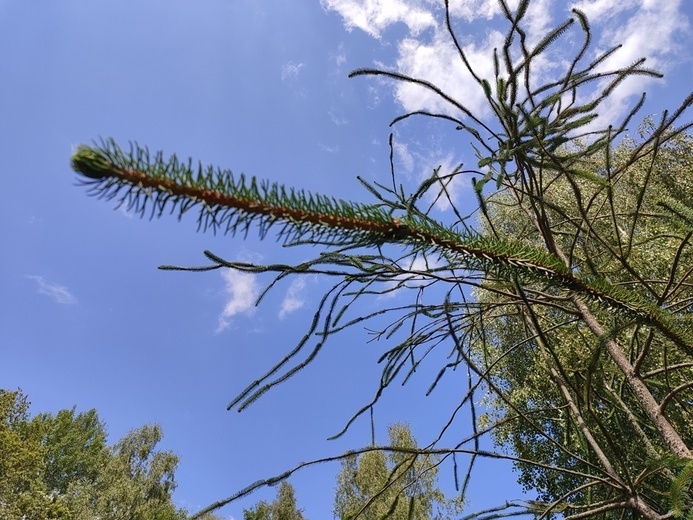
{"x":136,"y":482}
{"x":282,"y":508}
{"x":566,"y":296}
{"x":570,"y":404}
{"x":59,"y":466}
{"x":394,"y":482}
{"x":23,"y":493}
{"x":75,"y":448}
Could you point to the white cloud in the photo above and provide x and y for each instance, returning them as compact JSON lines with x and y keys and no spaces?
{"x":438,"y":62}
{"x":472,"y":9}
{"x":402,"y":152}
{"x":645,"y":28}
{"x":59,"y":293}
{"x":293,"y":300}
{"x":336,"y":118}
{"x":604,"y":10}
{"x":374,"y":16}
{"x":339,"y":56}
{"x":418,"y":162}
{"x":290,"y":70}
{"x":373,"y":97}
{"x":329,"y":149}
{"x":539,"y":19}
{"x":419,"y":264}
{"x":453,"y":187}
{"x":123,"y":210}
{"x":242,"y":292}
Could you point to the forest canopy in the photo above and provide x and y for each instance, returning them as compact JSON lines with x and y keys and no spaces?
{"x":60,"y":466}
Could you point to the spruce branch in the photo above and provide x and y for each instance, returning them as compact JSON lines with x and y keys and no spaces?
{"x":143,"y":181}
{"x":226,"y":203}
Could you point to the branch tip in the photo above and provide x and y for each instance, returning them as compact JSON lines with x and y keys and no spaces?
{"x":90,"y":163}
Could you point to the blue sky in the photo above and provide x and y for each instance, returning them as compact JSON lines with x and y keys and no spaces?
{"x":261,"y":88}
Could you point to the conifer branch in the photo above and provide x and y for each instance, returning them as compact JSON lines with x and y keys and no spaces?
{"x":225,"y":202}
{"x":231,"y":204}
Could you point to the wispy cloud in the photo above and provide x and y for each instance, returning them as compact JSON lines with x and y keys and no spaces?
{"x":340,"y":59}
{"x":455,"y":187}
{"x":293,"y":300}
{"x":337,"y":119}
{"x":59,"y":293}
{"x":374,"y":97}
{"x":419,"y":162}
{"x":339,"y":56}
{"x":242,"y":291}
{"x":605,"y":10}
{"x":290,"y":70}
{"x":410,"y":280}
{"x":405,"y":158}
{"x":329,"y":149}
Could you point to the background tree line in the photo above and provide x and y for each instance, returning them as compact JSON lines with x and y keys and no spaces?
{"x":61,"y":467}
{"x":375,"y":484}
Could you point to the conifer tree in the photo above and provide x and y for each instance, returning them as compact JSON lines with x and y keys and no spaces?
{"x":509,"y":292}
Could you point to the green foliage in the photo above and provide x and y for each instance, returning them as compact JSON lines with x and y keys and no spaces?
{"x":282,"y":508}
{"x":22,"y":455}
{"x":566,"y":297}
{"x":681,"y":498}
{"x":75,"y":447}
{"x":59,"y":466}
{"x":394,"y":482}
{"x":142,"y":182}
{"x":136,"y":482}
{"x":571,"y":406}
